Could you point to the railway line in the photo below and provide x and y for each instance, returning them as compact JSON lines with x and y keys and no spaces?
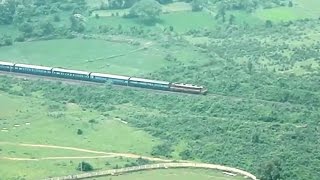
{"x":102,"y":78}
{"x":90,"y":83}
{"x":80,"y":82}
{"x":114,"y":172}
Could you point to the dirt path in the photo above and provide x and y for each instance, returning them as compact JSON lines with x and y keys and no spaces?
{"x":168,"y":164}
{"x":56,"y":158}
{"x":109,"y":154}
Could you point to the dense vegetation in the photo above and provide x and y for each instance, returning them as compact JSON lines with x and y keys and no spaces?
{"x":262,"y":110}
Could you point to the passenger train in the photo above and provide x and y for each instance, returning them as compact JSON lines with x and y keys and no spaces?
{"x":101,"y":78}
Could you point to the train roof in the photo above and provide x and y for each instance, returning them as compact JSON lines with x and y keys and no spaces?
{"x":110,"y":76}
{"x":187,"y":85}
{"x":149,"y":81}
{"x":6,"y":63}
{"x":34,"y":67}
{"x":70,"y":71}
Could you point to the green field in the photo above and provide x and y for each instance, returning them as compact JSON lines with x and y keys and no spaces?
{"x":49,"y":123}
{"x":67,"y":118}
{"x":300,"y":10}
{"x":40,"y":123}
{"x":89,"y":55}
{"x":175,"y":19}
{"x":96,"y":56}
{"x":175,"y":174}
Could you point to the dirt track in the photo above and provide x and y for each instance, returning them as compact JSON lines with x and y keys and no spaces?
{"x":168,"y":164}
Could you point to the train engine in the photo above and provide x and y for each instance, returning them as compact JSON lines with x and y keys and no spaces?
{"x":188,"y":88}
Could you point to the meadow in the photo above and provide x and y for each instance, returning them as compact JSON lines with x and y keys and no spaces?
{"x":28,"y":120}
{"x":301,"y":9}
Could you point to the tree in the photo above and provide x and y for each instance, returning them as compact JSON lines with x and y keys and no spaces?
{"x":47,"y":28}
{"x":197,"y":5}
{"x":231,"y":19}
{"x":290,"y":4}
{"x":7,"y":11}
{"x":271,"y":170}
{"x":79,"y":132}
{"x":268,"y":24}
{"x":221,"y":12}
{"x":77,"y":24}
{"x":84,"y":166}
{"x":26,"y":28}
{"x":147,"y":10}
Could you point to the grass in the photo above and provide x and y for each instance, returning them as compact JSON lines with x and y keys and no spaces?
{"x":76,"y":53}
{"x":98,"y":136}
{"x":172,"y":7}
{"x":300,"y":10}
{"x":175,"y":174}
{"x":175,"y":19}
{"x":107,"y":134}
{"x":42,"y":169}
{"x":178,"y":20}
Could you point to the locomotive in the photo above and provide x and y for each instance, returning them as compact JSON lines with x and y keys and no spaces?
{"x":101,"y":78}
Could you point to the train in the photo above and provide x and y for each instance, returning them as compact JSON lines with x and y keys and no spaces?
{"x":101,"y":78}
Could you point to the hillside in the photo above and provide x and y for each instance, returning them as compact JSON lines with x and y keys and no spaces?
{"x":258,"y":59}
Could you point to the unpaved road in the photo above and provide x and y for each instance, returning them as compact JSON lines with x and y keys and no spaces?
{"x":168,"y":164}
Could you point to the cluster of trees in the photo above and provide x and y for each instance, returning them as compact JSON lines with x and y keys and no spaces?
{"x":147,"y":10}
{"x":124,"y":4}
{"x":5,"y":40}
{"x":37,"y":18}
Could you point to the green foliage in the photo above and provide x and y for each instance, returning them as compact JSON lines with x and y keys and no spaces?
{"x":7,"y":11}
{"x":84,"y":166}
{"x":164,"y":150}
{"x":146,"y":10}
{"x":197,"y":5}
{"x":79,"y":132}
{"x":271,"y":170}
{"x":77,"y":24}
{"x":6,"y":40}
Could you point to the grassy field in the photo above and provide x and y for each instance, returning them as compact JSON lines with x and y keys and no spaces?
{"x":40,"y":123}
{"x":97,"y":56}
{"x":45,"y":122}
{"x":77,"y":52}
{"x":175,"y":19}
{"x":68,"y":118}
{"x":11,"y":170}
{"x":175,"y":174}
{"x":300,"y":10}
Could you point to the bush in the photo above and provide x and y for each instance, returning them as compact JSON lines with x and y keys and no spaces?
{"x":84,"y":166}
{"x":20,"y":38}
{"x":79,"y":132}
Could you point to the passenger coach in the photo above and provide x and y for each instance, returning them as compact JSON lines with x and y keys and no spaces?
{"x":32,"y":69}
{"x":72,"y":74}
{"x":6,"y":66}
{"x":115,"y":79}
{"x":147,"y":83}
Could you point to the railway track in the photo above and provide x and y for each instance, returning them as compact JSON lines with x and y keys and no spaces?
{"x":82,"y":82}
{"x":113,"y":172}
{"x":77,"y":82}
